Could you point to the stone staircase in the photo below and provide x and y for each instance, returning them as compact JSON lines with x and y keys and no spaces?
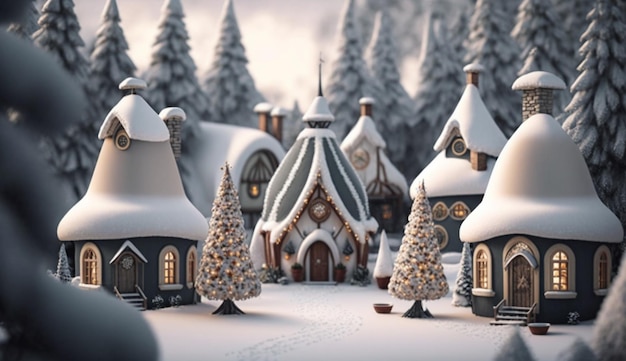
{"x":136,"y":299}
{"x":512,"y":315}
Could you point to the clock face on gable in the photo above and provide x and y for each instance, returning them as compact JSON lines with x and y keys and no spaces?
{"x":360,"y":158}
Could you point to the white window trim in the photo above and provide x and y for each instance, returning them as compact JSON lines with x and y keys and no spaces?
{"x":170,"y":287}
{"x":451,"y":210}
{"x":560,"y":295}
{"x":89,"y":287}
{"x":191,"y":250}
{"x":162,"y":254}
{"x":482,"y":247}
{"x":91,"y":246}
{"x":596,"y":270}
{"x":571,"y":271}
{"x":483,"y":292}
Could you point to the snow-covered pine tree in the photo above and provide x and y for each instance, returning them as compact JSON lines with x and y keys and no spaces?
{"x":490,"y":44}
{"x":229,"y":85}
{"x":595,"y":116}
{"x":577,"y":351}
{"x":226,"y":271}
{"x":609,"y":332}
{"x":63,"y":272}
{"x":514,"y":348}
{"x":394,"y":107}
{"x":293,"y":125}
{"x":573,"y":13}
{"x":110,"y":63}
{"x":462,"y":295}
{"x":350,"y":79}
{"x":384,"y":262}
{"x":440,"y":82}
{"x":171,"y":77}
{"x":417,"y":272}
{"x":27,"y":26}
{"x":72,"y":154}
{"x":539,"y":33}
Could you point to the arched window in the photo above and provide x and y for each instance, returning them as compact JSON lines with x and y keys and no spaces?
{"x":169,"y":274}
{"x":560,"y":276}
{"x":459,"y":211}
{"x":90,"y":265}
{"x":482,"y":272}
{"x":601,"y":270}
{"x":440,"y":211}
{"x":257,"y":172}
{"x":192,"y":266}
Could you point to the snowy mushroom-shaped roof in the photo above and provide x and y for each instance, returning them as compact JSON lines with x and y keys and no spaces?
{"x":473,"y":68}
{"x":472,"y":121}
{"x":540,"y":186}
{"x":136,"y":191}
{"x":135,"y":115}
{"x":318,"y":111}
{"x":279,"y":112}
{"x":367,"y":100}
{"x":538,"y":80}
{"x":263,"y":108}
{"x":315,"y":158}
{"x":172,"y":112}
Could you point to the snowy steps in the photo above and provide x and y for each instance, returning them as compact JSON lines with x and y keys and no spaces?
{"x":511,"y":315}
{"x":134,"y":299}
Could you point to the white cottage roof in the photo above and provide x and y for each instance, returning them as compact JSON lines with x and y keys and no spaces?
{"x":318,"y":111}
{"x":449,"y":176}
{"x":137,"y":118}
{"x":315,"y":152}
{"x":472,"y":121}
{"x":541,"y":186}
{"x":537,"y":80}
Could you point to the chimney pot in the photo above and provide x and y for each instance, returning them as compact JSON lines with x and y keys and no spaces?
{"x":472,"y":71}
{"x":263,"y":111}
{"x":173,"y":118}
{"x":366,"y":106}
{"x":131,"y":85}
{"x":278,"y":115}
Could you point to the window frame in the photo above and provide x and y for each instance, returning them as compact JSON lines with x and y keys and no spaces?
{"x":456,"y":204}
{"x":163,"y":285}
{"x":549,"y":270}
{"x":597,"y":286}
{"x":191,"y":266}
{"x":91,"y":247}
{"x":488,"y":262}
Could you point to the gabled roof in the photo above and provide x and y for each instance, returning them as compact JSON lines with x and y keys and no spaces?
{"x":315,"y":157}
{"x":363,"y":129}
{"x":540,"y":186}
{"x":131,"y":246}
{"x":137,"y":118}
{"x":472,"y":121}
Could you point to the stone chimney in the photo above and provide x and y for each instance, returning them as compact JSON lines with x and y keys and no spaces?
{"x":131,"y":85}
{"x":366,"y":106}
{"x":173,"y":118}
{"x":472,"y":71}
{"x":278,"y":115}
{"x":263,"y":111}
{"x":478,"y":160}
{"x":537,"y":92}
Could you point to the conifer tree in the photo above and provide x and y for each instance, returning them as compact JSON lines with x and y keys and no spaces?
{"x":27,"y":25}
{"x":514,"y":348}
{"x":394,"y":107}
{"x":110,"y":63}
{"x":292,"y":126}
{"x":72,"y":154}
{"x":384,"y":262}
{"x":226,"y":271}
{"x":491,"y":45}
{"x":609,"y":332}
{"x":171,"y":77}
{"x":418,"y":273}
{"x":595,"y":116}
{"x":573,"y":13}
{"x":350,"y":79}
{"x":440,"y":80}
{"x":229,"y":85}
{"x":63,"y":268}
{"x":577,"y":351}
{"x":462,"y":295}
{"x":539,"y":33}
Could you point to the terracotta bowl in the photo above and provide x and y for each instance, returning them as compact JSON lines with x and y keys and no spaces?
{"x":383,"y":307}
{"x":538,"y":328}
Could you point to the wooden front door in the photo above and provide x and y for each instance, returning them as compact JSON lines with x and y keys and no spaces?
{"x":126,"y":273}
{"x":318,"y":262}
{"x":520,"y":282}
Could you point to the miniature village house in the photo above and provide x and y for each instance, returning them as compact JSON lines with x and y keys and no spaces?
{"x":456,"y":178}
{"x":135,"y":232}
{"x":316,"y":211}
{"x":542,"y":240}
{"x":386,"y":187}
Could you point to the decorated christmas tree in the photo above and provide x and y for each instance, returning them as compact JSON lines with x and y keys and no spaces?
{"x":418,"y":273}
{"x":63,"y":268}
{"x":462,"y":295}
{"x":226,"y":271}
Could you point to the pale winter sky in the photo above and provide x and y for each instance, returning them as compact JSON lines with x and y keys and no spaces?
{"x":283,"y":38}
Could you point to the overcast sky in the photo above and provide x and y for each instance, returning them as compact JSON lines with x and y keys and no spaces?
{"x":283,"y":38}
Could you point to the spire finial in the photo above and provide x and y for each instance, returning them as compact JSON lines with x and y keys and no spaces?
{"x":319,"y":90}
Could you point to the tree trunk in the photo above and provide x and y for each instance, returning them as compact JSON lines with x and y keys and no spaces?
{"x":416,"y":311}
{"x":228,"y":307}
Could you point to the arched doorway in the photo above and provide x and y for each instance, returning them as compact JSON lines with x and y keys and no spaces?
{"x":520,"y":283}
{"x":521,"y":273}
{"x":319,"y":262}
{"x":126,"y":267}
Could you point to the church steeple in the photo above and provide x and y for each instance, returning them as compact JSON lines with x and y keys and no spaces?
{"x":318,"y":115}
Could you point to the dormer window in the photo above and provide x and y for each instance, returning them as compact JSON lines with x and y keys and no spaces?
{"x":458,"y":147}
{"x":122,"y":140}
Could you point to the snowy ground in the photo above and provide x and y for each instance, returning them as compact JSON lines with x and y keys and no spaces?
{"x":309,"y":322}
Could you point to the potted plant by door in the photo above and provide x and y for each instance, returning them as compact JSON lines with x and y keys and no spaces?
{"x":297,"y":272}
{"x":340,"y":273}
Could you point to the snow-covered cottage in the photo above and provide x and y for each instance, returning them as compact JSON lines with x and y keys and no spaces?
{"x":542,"y":240}
{"x":457,"y":177}
{"x":386,"y":187}
{"x":316,"y":211}
{"x":135,"y":232}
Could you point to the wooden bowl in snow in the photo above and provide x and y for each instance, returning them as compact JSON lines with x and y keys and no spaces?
{"x":383,"y":307}
{"x":538,"y":328}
